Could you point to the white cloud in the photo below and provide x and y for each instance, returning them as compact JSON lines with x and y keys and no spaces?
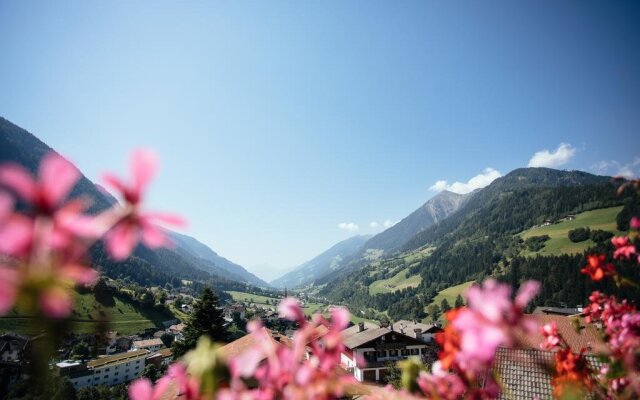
{"x":479,"y":181}
{"x":545,"y":158}
{"x":388,"y":223}
{"x":373,"y":224}
{"x":348,"y":226}
{"x":612,"y":167}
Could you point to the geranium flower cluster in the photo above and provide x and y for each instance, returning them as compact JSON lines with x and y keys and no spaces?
{"x":45,"y":236}
{"x":572,"y":372}
{"x":472,"y":336}
{"x":619,"y":321}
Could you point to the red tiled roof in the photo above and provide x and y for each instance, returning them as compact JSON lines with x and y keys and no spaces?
{"x":586,"y":336}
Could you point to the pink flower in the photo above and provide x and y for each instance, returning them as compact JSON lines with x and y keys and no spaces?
{"x":56,"y":302}
{"x":289,"y":308}
{"x":136,"y":226}
{"x":9,"y":282}
{"x":624,"y":249}
{"x":551,"y":336}
{"x":57,"y":177}
{"x":141,"y":389}
{"x":635,"y":223}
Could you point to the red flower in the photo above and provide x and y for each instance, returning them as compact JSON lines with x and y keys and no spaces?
{"x":596,"y":268}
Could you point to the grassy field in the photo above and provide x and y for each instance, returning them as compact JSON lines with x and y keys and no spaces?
{"x":397,"y":282}
{"x":450,"y":294}
{"x":559,"y":242}
{"x":249,"y":297}
{"x":88,"y":314}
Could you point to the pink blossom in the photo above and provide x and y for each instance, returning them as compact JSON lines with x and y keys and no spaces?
{"x":57,"y":177}
{"x":624,"y":249}
{"x":142,"y":389}
{"x":289,"y":308}
{"x":136,"y":226}
{"x":551,"y":336}
{"x":635,"y":223}
{"x":56,"y":302}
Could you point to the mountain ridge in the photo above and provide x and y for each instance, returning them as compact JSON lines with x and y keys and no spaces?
{"x":322,"y":264}
{"x":24,"y":148}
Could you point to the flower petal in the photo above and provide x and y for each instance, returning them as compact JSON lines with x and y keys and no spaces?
{"x":57,"y":177}
{"x":56,"y":302}
{"x":121,"y":241}
{"x":141,"y":390}
{"x":144,"y":164}
{"x":80,"y":274}
{"x":19,"y":180}
{"x":153,"y":236}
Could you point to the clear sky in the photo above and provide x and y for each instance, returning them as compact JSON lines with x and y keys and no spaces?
{"x":284,"y":126}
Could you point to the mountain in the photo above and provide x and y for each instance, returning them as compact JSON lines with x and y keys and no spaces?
{"x":190,"y":259}
{"x":322,"y":264}
{"x":203,"y":252}
{"x":433,"y":211}
{"x":477,"y":241}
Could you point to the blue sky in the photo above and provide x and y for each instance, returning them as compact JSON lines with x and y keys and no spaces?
{"x":278,"y":123}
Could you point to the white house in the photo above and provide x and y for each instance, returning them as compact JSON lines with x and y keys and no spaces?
{"x":369,"y":348}
{"x":150,"y":344}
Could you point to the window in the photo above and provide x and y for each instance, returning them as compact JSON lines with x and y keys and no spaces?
{"x":405,"y":352}
{"x":381,"y":353}
{"x":106,"y":376}
{"x":116,"y":373}
{"x":393,"y":353}
{"x":415,"y":352}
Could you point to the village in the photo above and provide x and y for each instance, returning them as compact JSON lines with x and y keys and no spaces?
{"x":371,"y":350}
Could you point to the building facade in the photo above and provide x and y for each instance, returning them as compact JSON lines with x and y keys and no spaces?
{"x":370,"y":348}
{"x":109,"y":370}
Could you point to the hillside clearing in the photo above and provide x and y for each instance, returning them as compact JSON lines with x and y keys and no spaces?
{"x":450,"y":294}
{"x":559,"y":243}
{"x":399,"y":281}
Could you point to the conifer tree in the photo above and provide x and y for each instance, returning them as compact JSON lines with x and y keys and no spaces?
{"x":205,"y":320}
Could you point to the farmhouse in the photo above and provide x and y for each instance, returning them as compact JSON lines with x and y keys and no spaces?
{"x":370,"y":348}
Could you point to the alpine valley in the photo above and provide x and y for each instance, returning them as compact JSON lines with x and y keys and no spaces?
{"x":513,"y":230}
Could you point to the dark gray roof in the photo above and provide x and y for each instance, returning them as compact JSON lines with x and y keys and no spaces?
{"x":365,"y":336}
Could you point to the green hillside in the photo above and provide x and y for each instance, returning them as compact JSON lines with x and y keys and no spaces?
{"x":559,"y":242}
{"x":450,"y":294}
{"x":399,"y":281}
{"x":253,"y":298}
{"x":123,"y":317}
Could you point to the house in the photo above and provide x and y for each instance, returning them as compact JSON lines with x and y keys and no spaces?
{"x":525,"y":372}
{"x":161,"y":358}
{"x":369,"y":348}
{"x":14,"y":359}
{"x":232,"y":309}
{"x":152,"y":345}
{"x":177,"y":331}
{"x":108,"y":370}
